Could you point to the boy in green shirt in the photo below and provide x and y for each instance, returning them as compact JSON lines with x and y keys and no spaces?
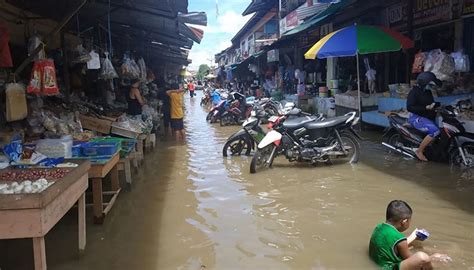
{"x":388,"y":247}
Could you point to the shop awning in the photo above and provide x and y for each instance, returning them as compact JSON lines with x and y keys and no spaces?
{"x":318,"y":18}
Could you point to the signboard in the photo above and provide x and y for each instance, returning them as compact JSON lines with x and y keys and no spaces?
{"x":273,"y":56}
{"x":468,"y":7}
{"x":289,"y":22}
{"x":425,"y":12}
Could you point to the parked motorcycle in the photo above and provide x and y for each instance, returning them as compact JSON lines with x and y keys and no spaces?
{"x":238,"y":109}
{"x":245,"y":140}
{"x":216,"y":112}
{"x":453,"y":145}
{"x":306,"y":139}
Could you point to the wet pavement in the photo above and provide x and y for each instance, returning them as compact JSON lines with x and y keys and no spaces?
{"x":192,"y":209}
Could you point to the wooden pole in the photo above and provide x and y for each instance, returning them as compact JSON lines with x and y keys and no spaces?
{"x":48,"y":38}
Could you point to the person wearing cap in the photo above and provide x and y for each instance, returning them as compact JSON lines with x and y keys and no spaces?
{"x":420,"y":104}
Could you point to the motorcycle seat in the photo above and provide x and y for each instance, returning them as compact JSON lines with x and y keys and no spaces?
{"x":296,"y":123}
{"x":328,"y":123}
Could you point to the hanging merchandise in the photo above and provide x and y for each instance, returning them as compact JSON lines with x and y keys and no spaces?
{"x":142,"y":67}
{"x":418,"y":63}
{"x":441,"y":64}
{"x":49,"y":83}
{"x":43,"y":78}
{"x":94,"y":63}
{"x":129,"y":68}
{"x":81,"y":55}
{"x":5,"y":55}
{"x":461,"y":62}
{"x":15,"y":102}
{"x":35,"y":82}
{"x":33,"y":43}
{"x":150,"y":75}
{"x":108,"y":71}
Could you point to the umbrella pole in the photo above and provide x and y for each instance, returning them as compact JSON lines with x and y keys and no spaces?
{"x":358,"y":87}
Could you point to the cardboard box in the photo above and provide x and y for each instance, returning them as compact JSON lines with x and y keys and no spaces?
{"x":96,"y":124}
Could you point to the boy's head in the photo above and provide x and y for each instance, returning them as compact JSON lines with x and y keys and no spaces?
{"x":399,"y":214}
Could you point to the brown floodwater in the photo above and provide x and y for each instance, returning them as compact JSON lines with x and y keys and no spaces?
{"x":190,"y":208}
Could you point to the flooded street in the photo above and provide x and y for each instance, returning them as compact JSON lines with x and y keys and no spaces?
{"x":192,"y":209}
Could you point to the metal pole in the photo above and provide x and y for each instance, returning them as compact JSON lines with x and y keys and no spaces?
{"x":358,"y":87}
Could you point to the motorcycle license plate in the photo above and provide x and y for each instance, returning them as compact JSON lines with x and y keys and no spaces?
{"x":273,"y":119}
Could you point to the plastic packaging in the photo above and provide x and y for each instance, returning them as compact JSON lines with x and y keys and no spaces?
{"x":129,"y":68}
{"x":418,"y":63}
{"x":461,"y":62}
{"x":33,"y":43}
{"x":142,"y":68}
{"x":422,"y":234}
{"x":81,"y":55}
{"x":441,"y":64}
{"x":108,"y":71}
{"x":94,"y":62}
{"x":15,"y":102}
{"x":43,"y":78}
{"x":55,"y":148}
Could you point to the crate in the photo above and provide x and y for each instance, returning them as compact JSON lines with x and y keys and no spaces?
{"x":125,"y":132}
{"x":126,"y":145}
{"x":100,"y":148}
{"x":96,"y":124}
{"x":77,"y":148}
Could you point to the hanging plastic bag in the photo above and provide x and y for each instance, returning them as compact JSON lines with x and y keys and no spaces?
{"x":15,"y":102}
{"x":80,"y":55}
{"x":34,"y":87}
{"x":142,"y":67}
{"x":461,"y":62}
{"x":418,"y":63}
{"x":432,"y":58}
{"x":108,"y":71}
{"x":49,"y":83}
{"x":94,"y":63}
{"x":135,"y":69}
{"x":444,"y":67}
{"x":33,"y":43}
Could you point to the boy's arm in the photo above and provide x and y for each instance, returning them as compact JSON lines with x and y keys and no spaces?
{"x":403,"y":251}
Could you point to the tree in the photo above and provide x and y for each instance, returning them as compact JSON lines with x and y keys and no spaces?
{"x":203,"y":71}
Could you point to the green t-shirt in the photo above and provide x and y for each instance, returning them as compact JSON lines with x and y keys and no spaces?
{"x":382,"y":246}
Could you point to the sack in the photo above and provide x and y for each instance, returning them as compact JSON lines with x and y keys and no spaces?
{"x":418,"y":63}
{"x":94,"y":63}
{"x":15,"y":102}
{"x":108,"y":71}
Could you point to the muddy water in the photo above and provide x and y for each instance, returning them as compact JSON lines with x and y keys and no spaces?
{"x":192,"y":209}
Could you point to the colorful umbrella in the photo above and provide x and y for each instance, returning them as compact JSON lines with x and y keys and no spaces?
{"x":359,"y":39}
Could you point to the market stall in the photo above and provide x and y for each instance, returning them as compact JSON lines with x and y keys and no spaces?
{"x":33,"y":200}
{"x":354,"y":41}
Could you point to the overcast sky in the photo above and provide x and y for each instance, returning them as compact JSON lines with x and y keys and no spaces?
{"x":220,"y":29}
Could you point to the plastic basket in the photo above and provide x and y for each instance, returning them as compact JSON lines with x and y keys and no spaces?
{"x":126,"y":145}
{"x":100,"y":148}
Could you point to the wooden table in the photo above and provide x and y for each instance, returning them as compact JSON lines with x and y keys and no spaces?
{"x":124,"y":165}
{"x":33,"y":215}
{"x":97,"y":173}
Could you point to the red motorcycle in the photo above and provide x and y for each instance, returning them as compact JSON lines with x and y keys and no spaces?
{"x":237,"y":111}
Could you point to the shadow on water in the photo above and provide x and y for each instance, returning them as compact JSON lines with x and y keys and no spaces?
{"x":452,"y":184}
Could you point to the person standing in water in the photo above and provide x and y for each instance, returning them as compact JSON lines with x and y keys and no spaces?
{"x":135,"y":100}
{"x":176,"y":95}
{"x":191,"y":89}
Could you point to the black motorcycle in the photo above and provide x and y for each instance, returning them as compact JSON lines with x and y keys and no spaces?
{"x":310,"y":140}
{"x":453,"y":145}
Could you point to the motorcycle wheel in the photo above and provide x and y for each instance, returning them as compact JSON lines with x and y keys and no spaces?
{"x":352,"y":146}
{"x":455,"y":157}
{"x":262,"y":158}
{"x":237,"y":146}
{"x":209,"y":116}
{"x":226,"y":120}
